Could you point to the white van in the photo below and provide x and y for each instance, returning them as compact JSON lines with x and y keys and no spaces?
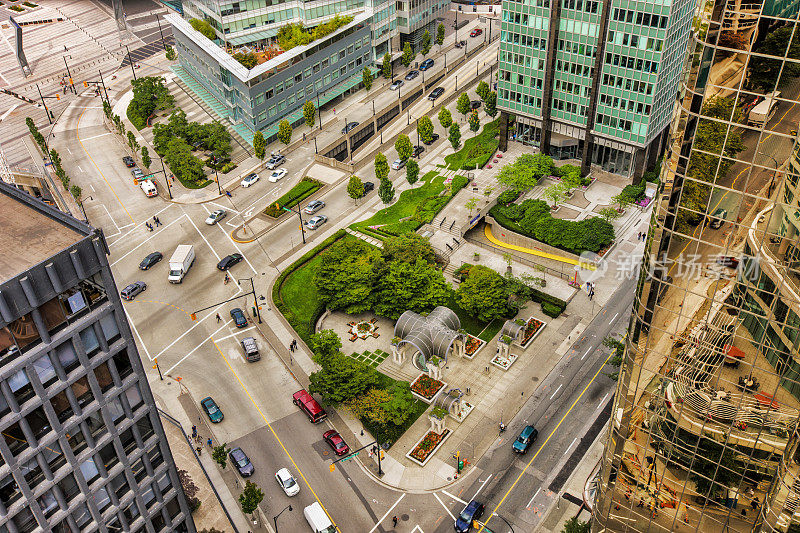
{"x":317,"y":519}
{"x":149,"y":188}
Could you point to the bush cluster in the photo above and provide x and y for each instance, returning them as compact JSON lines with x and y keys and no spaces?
{"x":634,"y":192}
{"x":507,"y":196}
{"x":305,"y":188}
{"x":150,"y":94}
{"x":292,"y":35}
{"x":55,"y":158}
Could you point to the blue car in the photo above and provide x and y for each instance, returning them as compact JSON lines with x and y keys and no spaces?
{"x":238,"y":317}
{"x":212,"y":410}
{"x":472,"y":512}
{"x":525,"y":439}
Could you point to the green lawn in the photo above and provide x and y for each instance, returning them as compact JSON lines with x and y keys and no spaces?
{"x":300,"y":295}
{"x":476,"y":151}
{"x":373,"y":359}
{"x":492,"y":329}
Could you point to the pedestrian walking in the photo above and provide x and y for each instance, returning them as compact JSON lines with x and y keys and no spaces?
{"x":334,"y":110}
{"x":394,"y":521}
{"x":291,"y":347}
{"x":158,"y":221}
{"x":199,"y":450}
{"x":639,"y":236}
{"x":219,"y":318}
{"x":294,"y":341}
{"x":194,"y":432}
{"x":209,"y":443}
{"x":304,"y":136}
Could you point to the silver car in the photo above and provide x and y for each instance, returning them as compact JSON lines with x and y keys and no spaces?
{"x":216,"y":216}
{"x":315,"y":222}
{"x":313,"y":207}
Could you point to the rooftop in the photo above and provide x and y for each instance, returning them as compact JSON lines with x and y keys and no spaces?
{"x":32,"y":231}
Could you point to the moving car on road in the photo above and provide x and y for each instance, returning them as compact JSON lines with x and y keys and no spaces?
{"x":228,"y":261}
{"x":212,"y":409}
{"x":150,"y":260}
{"x":250,"y":349}
{"x":349,"y":126}
{"x":277,"y":174}
{"x":216,"y":216}
{"x":525,"y":439}
{"x":287,"y":482}
{"x":313,"y":207}
{"x":425,"y":65}
{"x":130,"y":292}
{"x":137,"y":174}
{"x":411,"y":74}
{"x":336,"y":442}
{"x":476,"y":32}
{"x":129,"y":162}
{"x":436,"y":93}
{"x":249,"y":180}
{"x":238,"y":317}
{"x":315,"y":222}
{"x":395,"y":85}
{"x":275,"y":160}
{"x":473,"y":511}
{"x":242,"y":463}
{"x":309,"y":406}
{"x":397,"y":164}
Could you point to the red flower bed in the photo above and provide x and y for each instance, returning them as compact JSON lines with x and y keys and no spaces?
{"x":426,"y":446}
{"x":531,"y":328}
{"x":426,"y":386}
{"x":472,"y":345}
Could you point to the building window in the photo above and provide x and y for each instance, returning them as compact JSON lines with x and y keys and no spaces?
{"x":262,"y":116}
{"x":325,"y":63}
{"x":269,"y":94}
{"x":290,"y":100}
{"x":279,"y":88}
{"x":259,"y":100}
{"x":358,"y":61}
{"x":342,"y":53}
{"x":308,"y":73}
{"x":334,"y":59}
{"x":282,"y":105}
{"x":271,"y":111}
{"x":318,"y":85}
{"x":298,"y":77}
{"x":289,"y":83}
{"x":315,"y":68}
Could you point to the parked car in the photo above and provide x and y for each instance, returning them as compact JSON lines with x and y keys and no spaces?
{"x":349,"y":126}
{"x":433,"y":139}
{"x":525,"y":439}
{"x":275,"y":160}
{"x":287,"y":482}
{"x":238,"y":317}
{"x":395,"y":85}
{"x":315,"y":222}
{"x":369,"y":186}
{"x":249,"y":180}
{"x":309,"y":406}
{"x":228,"y":261}
{"x":397,"y":164}
{"x":129,"y":162}
{"x":137,"y":173}
{"x":475,"y":104}
{"x":417,"y":151}
{"x":212,"y":410}
{"x":336,"y":442}
{"x":473,"y":511}
{"x":216,"y":216}
{"x":150,"y":260}
{"x":412,"y":74}
{"x":313,"y":207}
{"x":277,"y":174}
{"x":476,"y":32}
{"x":130,"y":292}
{"x":461,"y":44}
{"x":242,"y":463}
{"x":436,"y":93}
{"x":250,"y":349}
{"x":425,"y":65}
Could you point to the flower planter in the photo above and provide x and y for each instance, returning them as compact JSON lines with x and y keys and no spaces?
{"x":533,"y":327}
{"x":425,"y":447}
{"x":426,"y":388}
{"x":466,"y":409}
{"x":504,"y":363}
{"x":472,"y":346}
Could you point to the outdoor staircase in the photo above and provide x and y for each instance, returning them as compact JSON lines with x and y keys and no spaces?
{"x":218,"y":111}
{"x":443,"y":223}
{"x":366,"y":238}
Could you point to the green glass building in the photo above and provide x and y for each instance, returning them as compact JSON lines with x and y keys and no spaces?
{"x":590,"y":80}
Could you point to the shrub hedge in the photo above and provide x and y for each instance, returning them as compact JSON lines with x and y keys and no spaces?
{"x":458,"y":183}
{"x":508,"y":196}
{"x":305,"y":188}
{"x":551,"y":310}
{"x":634,"y":192}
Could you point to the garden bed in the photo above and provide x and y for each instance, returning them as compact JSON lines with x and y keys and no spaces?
{"x":466,"y":409}
{"x":472,"y":346}
{"x":425,"y":447}
{"x":304,"y":188}
{"x":426,"y":388}
{"x":477,"y":151}
{"x":504,"y":363}
{"x":533,"y":327}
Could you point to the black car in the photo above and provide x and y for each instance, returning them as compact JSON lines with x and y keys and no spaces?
{"x":473,"y":511}
{"x":461,"y":44}
{"x":228,"y":261}
{"x":436,"y":93}
{"x":368,"y":187}
{"x":411,"y":74}
{"x":348,"y":127}
{"x":242,"y":463}
{"x":434,"y":138}
{"x":417,"y":151}
{"x":238,"y":317}
{"x":150,"y":260}
{"x":130,"y":292}
{"x":425,"y":65}
{"x":475,"y":104}
{"x":129,"y":162}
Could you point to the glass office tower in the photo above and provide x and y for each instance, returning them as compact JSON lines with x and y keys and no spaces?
{"x":704,"y":433}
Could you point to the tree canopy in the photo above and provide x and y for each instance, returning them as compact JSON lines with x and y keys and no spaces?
{"x":526,"y":171}
{"x":342,"y":378}
{"x":403,"y":146}
{"x":483,"y":294}
{"x":765,"y":73}
{"x":150,"y":94}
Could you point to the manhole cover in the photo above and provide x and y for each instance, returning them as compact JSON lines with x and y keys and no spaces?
{"x":404,"y":517}
{"x":534,"y":379}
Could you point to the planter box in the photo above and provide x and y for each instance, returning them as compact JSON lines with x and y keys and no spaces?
{"x":442,"y":437}
{"x":466,"y":409}
{"x":536,"y":334}
{"x":473,"y":339}
{"x":434,"y":395}
{"x":504,"y":363}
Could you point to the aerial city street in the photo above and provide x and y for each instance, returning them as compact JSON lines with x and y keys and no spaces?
{"x":399,"y":266}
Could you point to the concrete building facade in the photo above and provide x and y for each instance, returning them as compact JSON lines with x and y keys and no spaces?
{"x":83,"y":448}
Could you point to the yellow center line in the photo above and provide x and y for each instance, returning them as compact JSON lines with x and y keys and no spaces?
{"x":546,"y":441}
{"x":274,"y":434}
{"x":97,"y":167}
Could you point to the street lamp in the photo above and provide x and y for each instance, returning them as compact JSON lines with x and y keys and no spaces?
{"x":275,"y":518}
{"x":130,"y":60}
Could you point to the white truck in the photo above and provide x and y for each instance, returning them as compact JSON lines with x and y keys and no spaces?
{"x":318,"y":519}
{"x":180,"y":262}
{"x":763,"y":110}
{"x":149,"y":188}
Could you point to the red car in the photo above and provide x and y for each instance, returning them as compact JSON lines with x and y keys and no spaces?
{"x":475,"y":32}
{"x":336,"y":442}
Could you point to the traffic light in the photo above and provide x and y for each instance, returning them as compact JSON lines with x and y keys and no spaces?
{"x":70,"y":82}
{"x":58,"y":97}
{"x":85,"y":84}
{"x":193,"y":316}
{"x":333,"y":467}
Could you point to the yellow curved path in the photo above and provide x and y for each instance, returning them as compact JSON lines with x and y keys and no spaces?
{"x":488,"y":232}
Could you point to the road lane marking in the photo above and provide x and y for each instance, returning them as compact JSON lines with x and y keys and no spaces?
{"x":274,"y":434}
{"x":154,"y":234}
{"x":158,"y":302}
{"x":136,"y":332}
{"x":77,"y":136}
{"x":456,"y":498}
{"x":547,"y":440}
{"x":235,"y":245}
{"x":587,"y":353}
{"x":570,"y":445}
{"x":533,"y":497}
{"x":443,"y":505}
{"x":94,"y":136}
{"x":170,"y":369}
{"x":613,"y":319}
{"x":201,"y":235}
{"x":387,"y":513}
{"x":602,"y":401}
{"x":556,"y":391}
{"x":235,"y":334}
{"x":481,"y":487}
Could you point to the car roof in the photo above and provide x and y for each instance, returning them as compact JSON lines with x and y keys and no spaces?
{"x":527,"y":431}
{"x":238,"y":451}
{"x":473,"y":505}
{"x":284,"y":473}
{"x":208,"y":399}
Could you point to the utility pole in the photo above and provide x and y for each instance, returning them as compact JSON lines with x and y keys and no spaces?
{"x":166,"y":178}
{"x":72,"y":83}
{"x":42,"y":98}
{"x":255,"y":298}
{"x":163,"y":42}
{"x":299,"y":214}
{"x":130,"y":60}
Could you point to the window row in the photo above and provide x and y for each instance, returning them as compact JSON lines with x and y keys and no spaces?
{"x":573,"y":88}
{"x":621,"y":82}
{"x":614,"y":122}
{"x":519,"y":98}
{"x":639,"y":18}
{"x":575,"y":68}
{"x":573,"y":47}
{"x":569,"y":107}
{"x":634,"y":41}
{"x":584,"y":6}
{"x":522,"y":60}
{"x":625,"y":104}
{"x":640,"y":65}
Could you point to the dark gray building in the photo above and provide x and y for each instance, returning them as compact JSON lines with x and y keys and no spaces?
{"x":83,"y":448}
